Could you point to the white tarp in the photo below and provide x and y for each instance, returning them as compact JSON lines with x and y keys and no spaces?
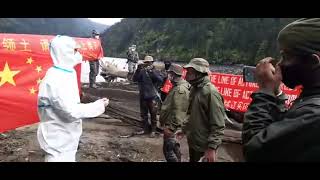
{"x":120,"y":63}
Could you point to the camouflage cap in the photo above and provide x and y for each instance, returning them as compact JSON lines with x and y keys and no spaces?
{"x":176,"y":68}
{"x":301,"y":36}
{"x":199,"y":64}
{"x":148,"y":59}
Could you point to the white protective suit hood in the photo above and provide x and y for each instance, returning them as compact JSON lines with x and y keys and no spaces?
{"x":62,"y":52}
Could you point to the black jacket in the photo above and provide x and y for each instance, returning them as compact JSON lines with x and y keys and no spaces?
{"x":148,"y":80}
{"x":272,"y":134}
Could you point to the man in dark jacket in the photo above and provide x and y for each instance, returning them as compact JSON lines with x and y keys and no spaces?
{"x":270,"y":133}
{"x":148,"y":80}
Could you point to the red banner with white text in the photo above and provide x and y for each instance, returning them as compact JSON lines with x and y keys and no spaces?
{"x":24,"y":60}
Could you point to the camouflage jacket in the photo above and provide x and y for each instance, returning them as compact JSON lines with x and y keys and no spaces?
{"x":174,"y":109}
{"x":273,"y":134}
{"x":206,"y":122}
{"x":133,"y":56}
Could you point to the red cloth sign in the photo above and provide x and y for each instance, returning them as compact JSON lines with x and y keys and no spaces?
{"x":24,"y":60}
{"x":167,"y":86}
{"x":235,"y":92}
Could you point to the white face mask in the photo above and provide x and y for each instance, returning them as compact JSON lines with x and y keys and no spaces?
{"x":97,"y":37}
{"x":133,"y":49}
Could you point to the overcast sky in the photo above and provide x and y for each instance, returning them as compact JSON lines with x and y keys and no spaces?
{"x":106,"y":21}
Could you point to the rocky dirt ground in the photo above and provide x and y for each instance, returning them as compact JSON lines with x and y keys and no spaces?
{"x":100,"y":142}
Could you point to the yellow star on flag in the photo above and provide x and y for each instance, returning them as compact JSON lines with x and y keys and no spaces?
{"x":39,"y":81}
{"x":29,"y":60}
{"x":7,"y":75}
{"x":38,"y":69}
{"x":32,"y":90}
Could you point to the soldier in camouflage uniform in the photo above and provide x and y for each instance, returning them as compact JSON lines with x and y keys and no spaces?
{"x":206,"y":122}
{"x":270,"y":133}
{"x":94,"y":66}
{"x":132,"y":59}
{"x":173,"y":113}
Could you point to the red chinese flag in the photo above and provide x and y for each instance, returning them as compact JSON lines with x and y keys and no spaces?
{"x":24,"y":60}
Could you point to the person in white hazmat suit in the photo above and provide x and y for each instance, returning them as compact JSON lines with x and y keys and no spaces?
{"x":59,"y":107}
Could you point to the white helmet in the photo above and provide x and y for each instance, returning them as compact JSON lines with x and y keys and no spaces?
{"x":148,"y":59}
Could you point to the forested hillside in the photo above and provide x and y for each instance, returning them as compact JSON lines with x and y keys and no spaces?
{"x":220,"y":40}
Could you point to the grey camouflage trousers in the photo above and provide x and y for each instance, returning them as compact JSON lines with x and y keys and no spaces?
{"x":131,"y":67}
{"x":94,"y":70}
{"x":171,"y":149}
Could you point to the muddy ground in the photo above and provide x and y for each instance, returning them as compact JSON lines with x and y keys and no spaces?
{"x":101,"y":141}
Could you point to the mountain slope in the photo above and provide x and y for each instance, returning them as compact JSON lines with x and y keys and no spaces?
{"x":80,"y":27}
{"x":221,"y":40}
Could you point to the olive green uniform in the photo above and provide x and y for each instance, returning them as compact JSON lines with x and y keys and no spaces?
{"x":206,"y":123}
{"x":172,"y":115}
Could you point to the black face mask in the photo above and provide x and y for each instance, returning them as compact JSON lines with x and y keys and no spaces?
{"x":197,"y":80}
{"x":303,"y":74}
{"x":167,"y":66}
{"x":291,"y":75}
